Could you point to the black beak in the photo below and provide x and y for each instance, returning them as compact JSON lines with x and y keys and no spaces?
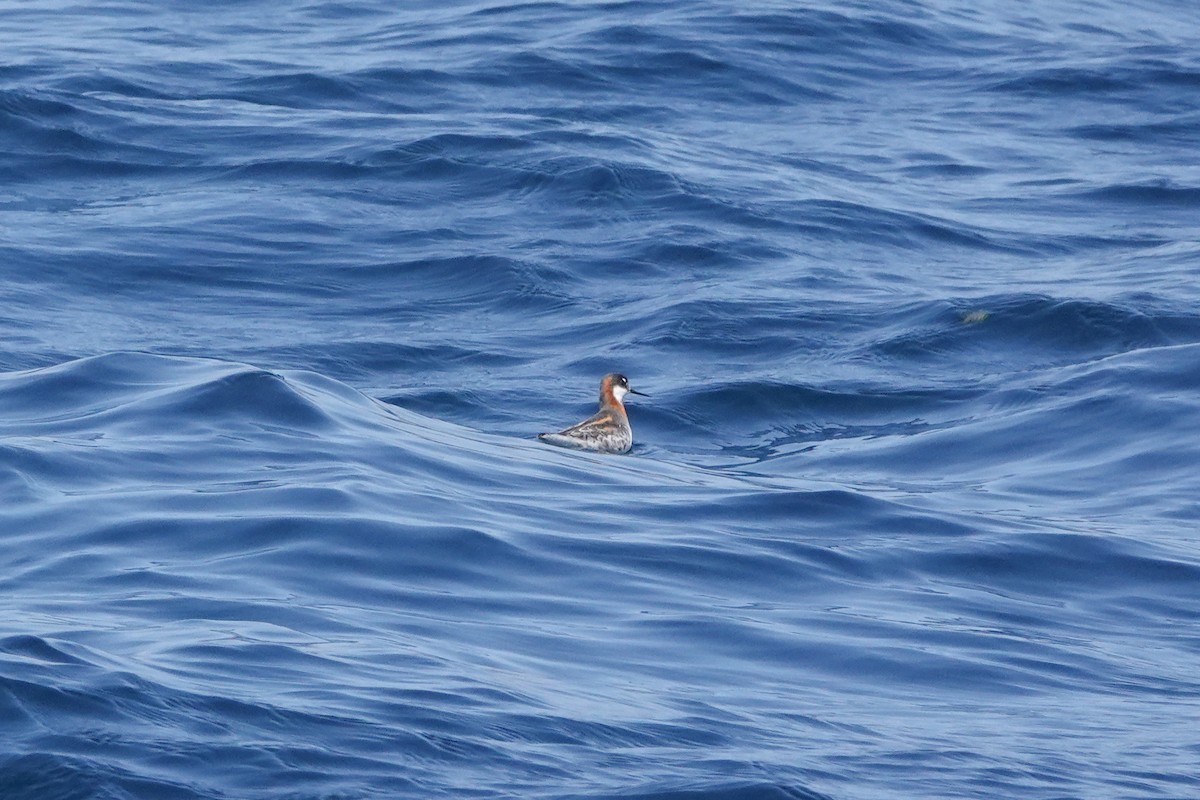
{"x":635,"y":391}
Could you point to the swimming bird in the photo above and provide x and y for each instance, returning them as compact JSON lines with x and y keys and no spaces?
{"x":606,"y":431}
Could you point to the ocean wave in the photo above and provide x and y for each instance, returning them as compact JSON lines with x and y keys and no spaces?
{"x":290,"y":290}
{"x":202,"y":498}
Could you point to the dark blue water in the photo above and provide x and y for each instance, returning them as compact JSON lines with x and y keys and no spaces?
{"x":289,"y":288}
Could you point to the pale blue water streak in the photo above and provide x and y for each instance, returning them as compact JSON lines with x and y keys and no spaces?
{"x":288,"y":290}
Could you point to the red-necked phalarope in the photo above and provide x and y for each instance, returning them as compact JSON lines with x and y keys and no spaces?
{"x":606,"y":431}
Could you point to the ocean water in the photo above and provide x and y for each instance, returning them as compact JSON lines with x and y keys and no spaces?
{"x":288,"y":290}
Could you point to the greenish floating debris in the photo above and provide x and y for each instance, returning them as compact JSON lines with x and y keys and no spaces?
{"x":979,"y":315}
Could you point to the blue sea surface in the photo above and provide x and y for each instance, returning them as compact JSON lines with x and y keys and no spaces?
{"x":288,"y":290}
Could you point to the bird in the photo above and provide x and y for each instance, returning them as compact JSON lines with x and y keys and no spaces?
{"x":606,"y":431}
